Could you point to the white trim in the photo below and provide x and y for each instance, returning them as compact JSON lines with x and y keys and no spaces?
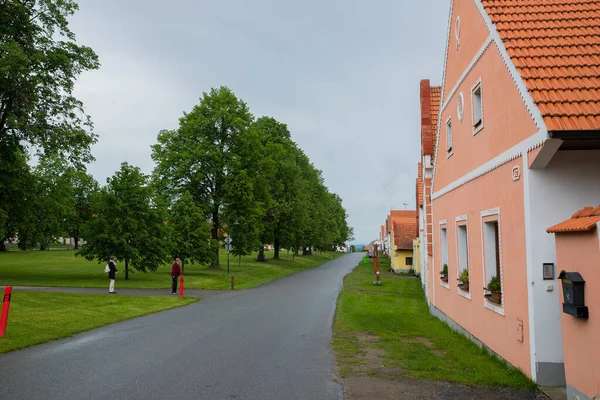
{"x":460,"y":218}
{"x":444,"y":284}
{"x":460,"y":106}
{"x":509,"y":155}
{"x":465,"y":73}
{"x":443,"y":222}
{"x":477,"y":84}
{"x":446,"y":55}
{"x":457,"y":31}
{"x":529,"y":264}
{"x":458,"y":221}
{"x":489,"y":213}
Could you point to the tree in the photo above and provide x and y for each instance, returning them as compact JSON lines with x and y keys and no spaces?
{"x":209,"y":152}
{"x":48,"y":206}
{"x":189,"y":232}
{"x":82,"y":188}
{"x":16,"y":185}
{"x":129,"y":222}
{"x":39,"y":64}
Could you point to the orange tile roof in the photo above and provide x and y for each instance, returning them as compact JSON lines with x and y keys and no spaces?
{"x":583,"y":220}
{"x":404,"y":233}
{"x":555,"y":46}
{"x":436,"y":94}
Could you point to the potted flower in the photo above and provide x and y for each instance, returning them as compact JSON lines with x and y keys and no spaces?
{"x":444,"y":273}
{"x":495,"y":288}
{"x":464,"y":279}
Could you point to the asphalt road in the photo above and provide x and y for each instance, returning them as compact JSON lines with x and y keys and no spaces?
{"x":270,"y":342}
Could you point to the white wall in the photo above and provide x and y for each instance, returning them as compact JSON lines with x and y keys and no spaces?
{"x":570,"y":182}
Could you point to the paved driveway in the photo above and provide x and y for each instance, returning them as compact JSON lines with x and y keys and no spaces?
{"x":270,"y":342}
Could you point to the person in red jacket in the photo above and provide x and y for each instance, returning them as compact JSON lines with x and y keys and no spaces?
{"x":175,"y":272}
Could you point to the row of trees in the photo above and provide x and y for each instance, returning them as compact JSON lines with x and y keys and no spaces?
{"x":222,"y":171}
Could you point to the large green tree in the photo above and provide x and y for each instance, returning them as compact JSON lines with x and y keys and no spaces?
{"x":39,"y":64}
{"x":189,"y":232}
{"x":129,"y":222}
{"x":209,"y":156}
{"x":82,"y":188}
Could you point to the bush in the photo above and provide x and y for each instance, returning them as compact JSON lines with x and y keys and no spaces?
{"x":494,"y":284}
{"x":464,"y":275}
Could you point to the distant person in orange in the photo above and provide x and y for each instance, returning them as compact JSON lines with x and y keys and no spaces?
{"x":175,"y":272}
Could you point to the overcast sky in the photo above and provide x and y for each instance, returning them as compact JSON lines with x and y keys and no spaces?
{"x":342,"y":74}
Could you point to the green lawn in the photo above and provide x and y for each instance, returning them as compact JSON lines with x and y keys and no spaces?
{"x":62,"y":268}
{"x":36,"y":318}
{"x":396,"y":319}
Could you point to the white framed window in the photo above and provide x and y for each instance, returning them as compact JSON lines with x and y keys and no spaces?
{"x":462,"y":253}
{"x":444,"y":252}
{"x":477,"y":106}
{"x":492,"y":258}
{"x":449,"y":136}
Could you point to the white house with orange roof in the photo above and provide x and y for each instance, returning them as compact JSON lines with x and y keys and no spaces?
{"x":517,"y":151}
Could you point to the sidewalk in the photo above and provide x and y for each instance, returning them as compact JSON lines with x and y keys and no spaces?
{"x":196,"y":293}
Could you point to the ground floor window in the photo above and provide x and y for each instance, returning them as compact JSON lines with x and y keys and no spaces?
{"x":409,"y":261}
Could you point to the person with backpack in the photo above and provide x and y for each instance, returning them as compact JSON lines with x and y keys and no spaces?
{"x":175,"y":272}
{"x":112,"y":270}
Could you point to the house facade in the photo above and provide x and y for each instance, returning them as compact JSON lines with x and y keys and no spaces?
{"x":517,"y":149}
{"x":430,"y":103}
{"x":578,"y":254}
{"x":403,"y":231}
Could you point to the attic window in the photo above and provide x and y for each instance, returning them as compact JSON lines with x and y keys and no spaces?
{"x":457,"y":32}
{"x":477,"y":101}
{"x":449,"y":135}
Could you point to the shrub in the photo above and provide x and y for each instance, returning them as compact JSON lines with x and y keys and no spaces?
{"x":494,"y":284}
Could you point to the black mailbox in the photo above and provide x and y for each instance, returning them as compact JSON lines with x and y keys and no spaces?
{"x":574,"y":302}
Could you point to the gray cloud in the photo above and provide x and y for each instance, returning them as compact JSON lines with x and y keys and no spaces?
{"x":344,"y":76}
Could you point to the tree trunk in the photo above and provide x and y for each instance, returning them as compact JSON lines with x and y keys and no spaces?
{"x":76,"y":241}
{"x":2,"y":245}
{"x":42,"y":247}
{"x":295,"y":251}
{"x":276,"y":249}
{"x":261,"y":254}
{"x":215,"y":235}
{"x":126,"y":269}
{"x":307,"y":251}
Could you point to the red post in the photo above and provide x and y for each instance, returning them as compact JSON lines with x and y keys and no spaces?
{"x":181,"y":286}
{"x":232,"y":282}
{"x":5,"y":307}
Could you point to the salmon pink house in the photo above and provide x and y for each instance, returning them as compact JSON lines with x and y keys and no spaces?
{"x":517,"y":150}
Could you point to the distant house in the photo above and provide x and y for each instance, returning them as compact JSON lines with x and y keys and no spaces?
{"x":517,"y":151}
{"x":429,"y":97}
{"x":403,"y":231}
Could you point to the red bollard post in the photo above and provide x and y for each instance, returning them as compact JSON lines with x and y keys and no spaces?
{"x":232,"y":282}
{"x":5,"y":307}
{"x":181,"y":286}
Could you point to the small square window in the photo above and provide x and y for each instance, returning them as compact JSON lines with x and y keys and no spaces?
{"x":449,"y":135}
{"x":409,"y":261}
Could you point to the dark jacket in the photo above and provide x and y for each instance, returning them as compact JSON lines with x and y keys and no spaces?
{"x":175,"y":270}
{"x":113,"y":269}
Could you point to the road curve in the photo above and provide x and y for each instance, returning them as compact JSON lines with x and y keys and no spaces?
{"x":269,"y":342}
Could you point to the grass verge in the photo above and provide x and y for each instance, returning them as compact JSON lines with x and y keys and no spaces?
{"x":392,"y":324}
{"x":62,"y":269}
{"x":36,"y":318}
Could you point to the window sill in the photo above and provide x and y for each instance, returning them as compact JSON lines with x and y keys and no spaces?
{"x":477,"y":128}
{"x":449,"y":153}
{"x":444,"y":284}
{"x":464,"y":293}
{"x":497,"y":308}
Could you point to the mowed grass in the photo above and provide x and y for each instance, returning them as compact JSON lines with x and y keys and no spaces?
{"x":413,"y":340}
{"x":63,"y":269}
{"x":36,"y":318}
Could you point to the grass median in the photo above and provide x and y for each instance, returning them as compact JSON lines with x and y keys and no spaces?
{"x":61,"y":268}
{"x":387,"y":331}
{"x":36,"y":318}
